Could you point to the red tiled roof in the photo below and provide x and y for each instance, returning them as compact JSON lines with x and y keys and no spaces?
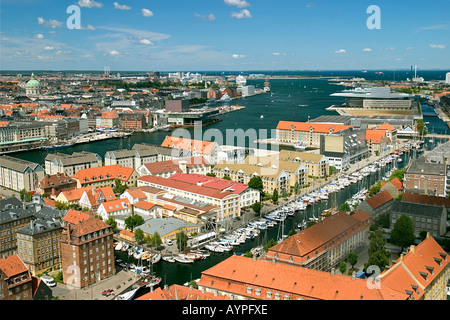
{"x":87,"y":226}
{"x":387,"y":127}
{"x":189,"y":187}
{"x":211,"y":182}
{"x":115,"y":171}
{"x":177,"y":292}
{"x":73,"y":216}
{"x":73,"y":195}
{"x":379,"y":199}
{"x":202,"y":147}
{"x":145,"y":205}
{"x":426,"y":199}
{"x":237,"y":273}
{"x":419,"y":267}
{"x":306,"y":126}
{"x":115,"y":205}
{"x":12,"y":265}
{"x":174,"y":165}
{"x":375,"y":135}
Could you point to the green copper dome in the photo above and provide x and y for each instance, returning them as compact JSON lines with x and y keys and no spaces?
{"x":33,"y":83}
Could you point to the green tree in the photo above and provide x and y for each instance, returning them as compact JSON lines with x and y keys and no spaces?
{"x":402,"y":234}
{"x":344,"y":207}
{"x":352,"y":258}
{"x":399,"y":174}
{"x":156,"y":240}
{"x":292,"y":232}
{"x":378,"y":254}
{"x":256,"y":183}
{"x":342,"y":267}
{"x":226,"y":177}
{"x":375,"y":189}
{"x":269,"y":244}
{"x":275,"y":196}
{"x":133,"y":221}
{"x":138,"y":235}
{"x":119,"y":188}
{"x":112,"y":223}
{"x":182,"y":240}
{"x":257,"y":206}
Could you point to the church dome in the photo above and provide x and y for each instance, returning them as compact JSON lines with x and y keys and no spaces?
{"x":33,"y":83}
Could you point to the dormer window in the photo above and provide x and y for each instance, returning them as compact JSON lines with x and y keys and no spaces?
{"x":430,"y":269}
{"x":249,"y":289}
{"x":424,"y":275}
{"x":269,"y":294}
{"x":438,"y":261}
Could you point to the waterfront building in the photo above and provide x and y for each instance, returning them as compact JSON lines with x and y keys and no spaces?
{"x":209,"y":150}
{"x":87,"y":252}
{"x":423,"y":272}
{"x":376,"y":141}
{"x":316,"y":164}
{"x":306,"y":132}
{"x":132,"y":121}
{"x":391,"y":132}
{"x":178,"y":105}
{"x":427,"y":218}
{"x":18,"y":174}
{"x":109,"y":119}
{"x":167,"y":228}
{"x":53,"y":184}
{"x":377,"y":98}
{"x":168,"y":168}
{"x":105,"y":176}
{"x":184,"y":192}
{"x":125,"y":158}
{"x":393,"y":186}
{"x":70,"y":164}
{"x":15,"y":279}
{"x":324,"y":245}
{"x":245,"y":278}
{"x":38,"y":244}
{"x":426,"y":177}
{"x":344,"y":148}
{"x":378,"y":204}
{"x":426,"y":199}
{"x":247,"y":195}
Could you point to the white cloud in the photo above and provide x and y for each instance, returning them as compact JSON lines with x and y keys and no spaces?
{"x":243,"y":14}
{"x":340,"y":51}
{"x":279,"y":54}
{"x":89,"y":4}
{"x":114,"y":52}
{"x":237,"y":3}
{"x":146,"y":42}
{"x":39,"y":36}
{"x":49,"y":48}
{"x":210,"y":16}
{"x":410,"y":48}
{"x":366,"y":49}
{"x":437,"y":46}
{"x":238,"y":56}
{"x":50,"y":23}
{"x":121,"y":6}
{"x":90,"y":27}
{"x":147,"y":13}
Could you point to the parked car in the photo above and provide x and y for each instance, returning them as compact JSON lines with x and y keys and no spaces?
{"x":49,"y":281}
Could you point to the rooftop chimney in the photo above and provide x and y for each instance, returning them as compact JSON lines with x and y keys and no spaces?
{"x":354,"y":275}
{"x":412,"y":249}
{"x":332,"y":271}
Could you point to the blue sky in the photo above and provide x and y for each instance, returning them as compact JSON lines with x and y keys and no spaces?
{"x":237,"y":35}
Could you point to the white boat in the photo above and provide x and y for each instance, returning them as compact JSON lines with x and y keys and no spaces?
{"x":127,"y":295}
{"x":301,"y":146}
{"x":182,"y":259}
{"x":168,"y":258}
{"x":119,"y":246}
{"x":125,"y":247}
{"x":262,"y":117}
{"x":155,"y":258}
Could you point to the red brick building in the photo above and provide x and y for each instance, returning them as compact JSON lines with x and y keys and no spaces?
{"x":15,"y":279}
{"x":132,"y":121}
{"x":87,"y":251}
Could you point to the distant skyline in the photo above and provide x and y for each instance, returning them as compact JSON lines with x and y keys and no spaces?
{"x":234,"y":35}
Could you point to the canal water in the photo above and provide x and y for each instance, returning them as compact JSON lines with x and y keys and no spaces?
{"x":179,"y":273}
